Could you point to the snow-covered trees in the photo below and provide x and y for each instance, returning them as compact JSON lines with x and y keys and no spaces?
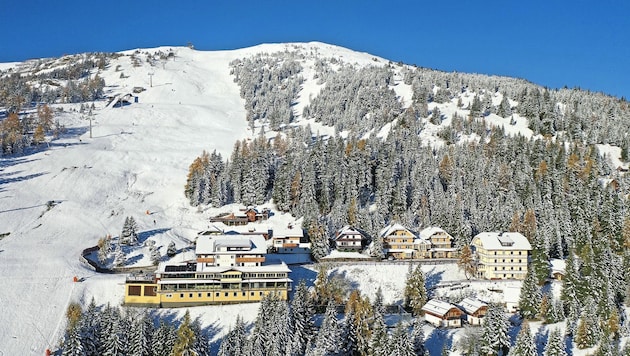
{"x":129,"y":233}
{"x":415,"y":290}
{"x":555,"y":344}
{"x":530,"y":297}
{"x":109,"y":331}
{"x":206,"y":181}
{"x":171,"y":250}
{"x":494,"y":337}
{"x":524,"y":345}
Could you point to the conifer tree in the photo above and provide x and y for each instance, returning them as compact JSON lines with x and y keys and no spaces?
{"x":171,"y":250}
{"x":235,"y":342}
{"x":378,"y":340}
{"x":530,"y":298}
{"x":185,"y":338}
{"x":327,"y":341}
{"x":524,"y":345}
{"x":119,"y":256}
{"x":302,"y":313}
{"x":400,"y":343}
{"x":415,"y":290}
{"x":555,"y":344}
{"x":417,"y":337}
{"x":140,"y":336}
{"x":495,"y":338}
{"x":73,"y":344}
{"x":163,"y":339}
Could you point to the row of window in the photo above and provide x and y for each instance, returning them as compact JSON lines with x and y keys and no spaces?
{"x":216,"y":294}
{"x":205,"y":286}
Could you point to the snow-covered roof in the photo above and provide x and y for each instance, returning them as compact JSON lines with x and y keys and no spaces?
{"x":421,"y":242}
{"x":503,"y":241}
{"x":471,"y":305}
{"x":208,"y":244}
{"x":438,"y":307}
{"x":287,"y":231}
{"x":558,"y":266}
{"x":271,"y":267}
{"x":391,"y":228}
{"x":430,"y":231}
{"x":250,"y":228}
{"x":348,"y":232}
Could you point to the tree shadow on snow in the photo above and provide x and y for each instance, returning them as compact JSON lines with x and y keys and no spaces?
{"x":299,"y":273}
{"x":438,"y":340}
{"x":433,"y":278}
{"x":144,"y":235}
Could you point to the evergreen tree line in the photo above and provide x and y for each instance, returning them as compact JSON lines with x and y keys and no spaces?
{"x":463,"y":188}
{"x":69,"y":81}
{"x":289,"y":328}
{"x":112,"y":331}
{"x":269,"y":84}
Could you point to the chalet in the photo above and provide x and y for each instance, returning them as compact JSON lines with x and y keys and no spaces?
{"x":242,"y":217}
{"x":227,"y":269}
{"x":348,"y":238}
{"x":230,"y":219}
{"x":289,"y":240}
{"x":474,"y":310}
{"x":442,"y":314}
{"x":398,"y":241}
{"x":558,"y":269}
{"x":441,"y":243}
{"x":501,"y":255}
{"x":253,"y":215}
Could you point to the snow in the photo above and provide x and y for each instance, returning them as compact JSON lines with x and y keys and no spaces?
{"x":503,"y":241}
{"x":135,"y":164}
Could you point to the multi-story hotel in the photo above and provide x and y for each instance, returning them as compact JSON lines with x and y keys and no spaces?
{"x":501,"y":255}
{"x":227,"y":269}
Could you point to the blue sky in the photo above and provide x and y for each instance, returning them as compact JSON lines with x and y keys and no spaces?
{"x":553,"y":43}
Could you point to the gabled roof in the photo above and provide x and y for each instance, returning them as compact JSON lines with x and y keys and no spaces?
{"x":471,"y":305}
{"x":438,"y":307}
{"x":391,"y":228}
{"x":347,"y":231}
{"x":290,"y":230}
{"x":558,"y":266}
{"x":430,"y":231}
{"x":503,"y":241}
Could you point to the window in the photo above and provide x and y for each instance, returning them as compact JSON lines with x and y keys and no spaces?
{"x":190,"y":295}
{"x":169,"y":296}
{"x":181,"y":295}
{"x":251,"y":293}
{"x":209,"y":295}
{"x":150,"y":291}
{"x":235,"y":294}
{"x":217,"y":294}
{"x":135,"y":290}
{"x":226,"y":294}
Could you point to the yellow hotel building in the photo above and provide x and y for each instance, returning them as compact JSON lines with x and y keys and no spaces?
{"x":501,"y":255}
{"x":227,"y":269}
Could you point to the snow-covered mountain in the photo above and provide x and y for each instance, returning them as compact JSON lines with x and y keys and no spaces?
{"x":62,"y":197}
{"x":136,"y":160}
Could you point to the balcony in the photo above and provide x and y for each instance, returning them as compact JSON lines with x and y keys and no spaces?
{"x":250,"y":259}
